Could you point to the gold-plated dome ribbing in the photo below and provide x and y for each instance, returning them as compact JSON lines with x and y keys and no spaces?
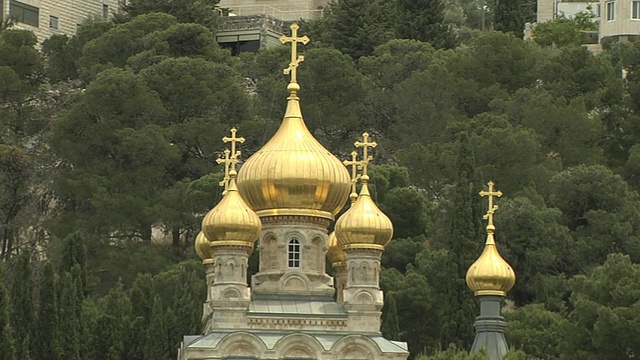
{"x":202,"y":247}
{"x":293,"y":174}
{"x":490,"y":274}
{"x":335,"y":253}
{"x":364,"y":225}
{"x":232,"y":222}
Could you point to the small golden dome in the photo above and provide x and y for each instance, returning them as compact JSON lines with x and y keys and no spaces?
{"x":490,"y":274}
{"x":293,"y":174}
{"x":232,"y":222}
{"x":335,"y":254}
{"x":364,"y":226}
{"x":202,"y":247}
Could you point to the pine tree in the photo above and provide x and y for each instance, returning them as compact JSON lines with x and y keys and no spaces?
{"x":7,"y":343}
{"x":423,"y":20}
{"x":47,"y":345}
{"x":23,"y":313}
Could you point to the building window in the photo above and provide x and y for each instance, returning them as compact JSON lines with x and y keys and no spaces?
{"x":53,"y":22}
{"x":24,"y":13}
{"x":293,"y":253}
{"x":611,"y":10}
{"x":635,"y":10}
{"x":105,"y":11}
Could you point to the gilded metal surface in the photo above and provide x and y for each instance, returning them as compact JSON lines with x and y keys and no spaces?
{"x":335,"y":254}
{"x":492,"y":208}
{"x":232,"y":222}
{"x":202,"y":247}
{"x":490,"y":274}
{"x":364,"y":225}
{"x":355,"y":165}
{"x":295,"y":58}
{"x":293,"y":174}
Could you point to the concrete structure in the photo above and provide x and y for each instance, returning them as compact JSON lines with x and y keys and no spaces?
{"x":50,"y":17}
{"x":552,"y":9}
{"x":287,"y":10}
{"x":287,"y":195}
{"x":619,"y":19}
{"x":249,"y":25}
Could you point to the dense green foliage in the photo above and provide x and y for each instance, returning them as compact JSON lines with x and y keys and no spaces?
{"x":107,"y":141}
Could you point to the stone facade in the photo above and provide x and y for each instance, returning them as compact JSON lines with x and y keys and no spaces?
{"x":290,"y":312}
{"x":50,"y":17}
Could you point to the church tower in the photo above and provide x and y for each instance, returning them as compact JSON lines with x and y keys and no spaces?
{"x":286,"y":196}
{"x":490,"y":278}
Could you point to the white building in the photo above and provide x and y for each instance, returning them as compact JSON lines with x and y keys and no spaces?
{"x":50,"y":17}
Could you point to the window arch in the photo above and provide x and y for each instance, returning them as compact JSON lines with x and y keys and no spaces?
{"x":293,"y":253}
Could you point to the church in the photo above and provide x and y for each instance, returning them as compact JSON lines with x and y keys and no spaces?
{"x":286,"y":196}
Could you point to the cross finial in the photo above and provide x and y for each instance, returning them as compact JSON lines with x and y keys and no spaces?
{"x":226,"y":160}
{"x":234,"y":154}
{"x":365,"y":145}
{"x":355,"y":165}
{"x":295,"y":58}
{"x":492,"y":208}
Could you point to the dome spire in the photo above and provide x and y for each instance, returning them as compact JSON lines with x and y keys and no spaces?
{"x":364,"y":225}
{"x":355,"y":166}
{"x":231,"y":222}
{"x":296,"y":59}
{"x":490,"y":274}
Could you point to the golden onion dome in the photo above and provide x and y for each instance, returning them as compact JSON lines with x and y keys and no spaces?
{"x":293,"y":174}
{"x":202,"y":247}
{"x":232,"y":222}
{"x":335,"y":253}
{"x":364,"y":225}
{"x":490,"y":274}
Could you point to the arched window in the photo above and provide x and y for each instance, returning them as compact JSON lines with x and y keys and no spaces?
{"x":293,"y":253}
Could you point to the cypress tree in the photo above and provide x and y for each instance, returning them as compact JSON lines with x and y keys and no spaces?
{"x":74,"y":253}
{"x":423,"y":20}
{"x":391,"y":325}
{"x":68,"y":316}
{"x":7,"y":343}
{"x":23,"y":313}
{"x":47,"y":345}
{"x":157,"y":341}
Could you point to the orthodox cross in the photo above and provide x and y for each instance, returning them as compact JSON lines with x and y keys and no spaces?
{"x":492,"y":208}
{"x":226,"y":160}
{"x":234,"y":154}
{"x":295,"y":58}
{"x":365,"y":145}
{"x":355,"y":164}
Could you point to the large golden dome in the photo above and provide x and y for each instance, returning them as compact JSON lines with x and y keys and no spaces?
{"x":364,"y":225}
{"x":490,"y":274}
{"x":231,"y":222}
{"x":293,"y":174}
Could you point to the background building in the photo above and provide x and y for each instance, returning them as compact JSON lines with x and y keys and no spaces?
{"x":50,"y":17}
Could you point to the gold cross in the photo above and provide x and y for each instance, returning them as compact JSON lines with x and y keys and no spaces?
{"x":365,"y":145}
{"x":355,"y":165}
{"x":295,"y":58}
{"x":226,"y":161}
{"x":492,"y":208}
{"x":234,"y":154}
